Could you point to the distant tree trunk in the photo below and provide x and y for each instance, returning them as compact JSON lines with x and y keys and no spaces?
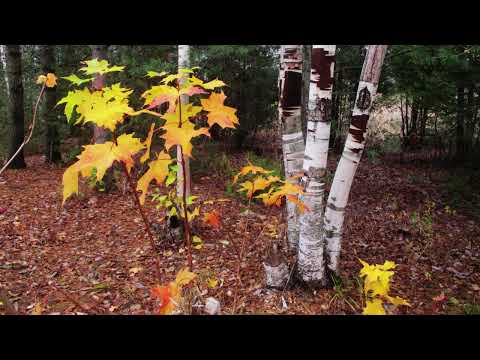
{"x":52,"y":150}
{"x":469,"y":121}
{"x":414,"y":116}
{"x":352,"y":153}
{"x":311,"y":266}
{"x":460,"y":139}
{"x":15,"y":107}
{"x":99,"y":52}
{"x":306,"y":68}
{"x":183,"y":62}
{"x":290,"y":113}
{"x":423,"y":123}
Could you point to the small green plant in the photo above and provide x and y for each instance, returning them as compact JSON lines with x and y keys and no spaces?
{"x":471,"y":309}
{"x":424,"y":220}
{"x":267,"y":163}
{"x":373,"y":155}
{"x":92,"y":181}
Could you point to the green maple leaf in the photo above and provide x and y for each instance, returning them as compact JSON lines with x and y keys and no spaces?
{"x":75,"y":80}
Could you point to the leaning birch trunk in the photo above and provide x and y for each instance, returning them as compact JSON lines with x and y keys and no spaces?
{"x":352,"y":153}
{"x":311,"y":266}
{"x":183,"y":63}
{"x":290,"y":108}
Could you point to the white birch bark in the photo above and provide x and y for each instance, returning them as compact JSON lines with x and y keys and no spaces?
{"x":183,"y":62}
{"x":311,"y":265}
{"x":289,"y":108}
{"x":352,"y":153}
{"x":3,"y":59}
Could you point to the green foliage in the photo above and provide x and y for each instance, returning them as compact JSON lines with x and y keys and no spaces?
{"x":252,"y":70}
{"x":72,"y":154}
{"x":268,"y":163}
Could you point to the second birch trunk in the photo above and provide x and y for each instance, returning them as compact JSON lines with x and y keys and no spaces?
{"x":352,"y":153}
{"x":290,"y":109}
{"x":311,"y":266}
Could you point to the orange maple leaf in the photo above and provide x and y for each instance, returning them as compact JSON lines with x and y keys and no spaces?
{"x":182,"y":136}
{"x":219,"y":113}
{"x":212,"y":219}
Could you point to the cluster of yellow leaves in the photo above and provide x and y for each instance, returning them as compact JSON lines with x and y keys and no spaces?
{"x":105,"y":108}
{"x":170,"y":296}
{"x":377,"y":286}
{"x":277,"y":188}
{"x":50,"y":80}
{"x":100,"y":157}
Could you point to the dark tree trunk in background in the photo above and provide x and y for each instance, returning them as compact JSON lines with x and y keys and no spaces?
{"x":49,"y":115}
{"x":414,"y":116}
{"x":469,"y":123}
{"x":423,"y":123}
{"x":99,"y":52}
{"x":15,"y":105}
{"x":460,"y":140}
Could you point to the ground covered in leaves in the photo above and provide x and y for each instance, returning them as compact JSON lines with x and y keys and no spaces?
{"x":93,"y":257}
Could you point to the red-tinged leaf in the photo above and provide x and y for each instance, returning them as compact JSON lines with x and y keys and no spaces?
{"x":212,"y":219}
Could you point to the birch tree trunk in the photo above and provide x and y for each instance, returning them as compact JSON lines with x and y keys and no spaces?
{"x":311,"y":267}
{"x":290,"y":109}
{"x":3,"y":58}
{"x":15,"y":104}
{"x":352,"y":153}
{"x":183,"y":62}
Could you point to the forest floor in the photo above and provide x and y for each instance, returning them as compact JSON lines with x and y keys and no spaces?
{"x":92,"y":256}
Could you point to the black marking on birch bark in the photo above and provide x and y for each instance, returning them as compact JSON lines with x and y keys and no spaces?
{"x":292,"y":90}
{"x":333,"y":207}
{"x":325,"y":106}
{"x":364,"y":99}
{"x":306,"y":157}
{"x":321,"y":65}
{"x":360,"y":123}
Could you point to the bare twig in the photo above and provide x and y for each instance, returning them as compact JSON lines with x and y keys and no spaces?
{"x":32,"y":126}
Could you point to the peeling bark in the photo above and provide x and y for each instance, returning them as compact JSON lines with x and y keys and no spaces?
{"x":290,"y":101}
{"x":311,"y":266}
{"x":352,"y":153}
{"x":183,"y":62}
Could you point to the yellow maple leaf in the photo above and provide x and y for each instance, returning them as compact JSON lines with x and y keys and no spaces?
{"x":51,"y":80}
{"x":37,"y":310}
{"x":98,"y":156}
{"x":188,"y":111}
{"x":374,"y":307}
{"x":158,"y":171}
{"x":212,"y":283}
{"x":95,"y":66}
{"x":148,"y":144}
{"x":160,"y":94}
{"x":41,"y":79}
{"x":219,"y":113}
{"x":127,"y":146}
{"x":259,"y":183}
{"x":397,"y":300}
{"x":213,"y":84}
{"x":274,"y":197}
{"x":184,"y":277}
{"x":250,"y":168}
{"x":182,"y":136}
